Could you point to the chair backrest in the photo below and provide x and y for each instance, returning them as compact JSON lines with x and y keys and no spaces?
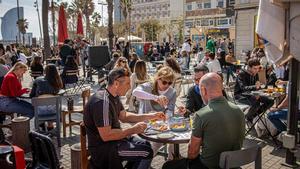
{"x":85,"y":96}
{"x":35,"y":74}
{"x":84,"y":154}
{"x":72,"y":72}
{"x":46,"y":100}
{"x":233,"y":159}
{"x":43,"y":151}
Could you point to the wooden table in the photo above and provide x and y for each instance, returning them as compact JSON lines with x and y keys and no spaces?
{"x":180,"y":138}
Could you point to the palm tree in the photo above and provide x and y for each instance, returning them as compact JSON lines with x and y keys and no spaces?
{"x":110,"y":27}
{"x":95,"y":25}
{"x":126,"y":6}
{"x":87,"y":7}
{"x":47,"y":49}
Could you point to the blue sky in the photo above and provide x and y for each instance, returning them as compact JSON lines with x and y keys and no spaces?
{"x":30,"y":12}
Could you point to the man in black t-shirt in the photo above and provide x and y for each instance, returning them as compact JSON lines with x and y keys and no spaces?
{"x":108,"y":143}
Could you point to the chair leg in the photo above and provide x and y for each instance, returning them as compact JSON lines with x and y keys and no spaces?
{"x":64,"y":122}
{"x":70,"y":125}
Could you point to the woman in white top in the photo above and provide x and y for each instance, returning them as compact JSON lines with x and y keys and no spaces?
{"x":158,"y":95}
{"x":213,"y":64}
{"x":139,"y":76}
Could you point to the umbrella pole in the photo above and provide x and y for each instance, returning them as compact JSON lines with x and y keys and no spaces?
{"x":292,"y":129}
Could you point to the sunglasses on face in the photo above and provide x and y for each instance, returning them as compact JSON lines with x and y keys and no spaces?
{"x":123,"y":61}
{"x":166,"y":82}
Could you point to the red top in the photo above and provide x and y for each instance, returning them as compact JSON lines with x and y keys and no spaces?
{"x":11,"y":86}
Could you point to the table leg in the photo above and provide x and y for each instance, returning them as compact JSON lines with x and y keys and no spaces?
{"x":176,"y":152}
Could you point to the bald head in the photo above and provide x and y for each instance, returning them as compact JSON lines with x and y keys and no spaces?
{"x":212,"y":82}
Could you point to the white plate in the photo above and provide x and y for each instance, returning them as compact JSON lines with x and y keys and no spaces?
{"x":165,"y":135}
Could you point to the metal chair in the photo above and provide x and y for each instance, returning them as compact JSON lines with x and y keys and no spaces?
{"x":52,"y":104}
{"x":43,"y":152}
{"x":85,"y":97}
{"x":234,"y":159}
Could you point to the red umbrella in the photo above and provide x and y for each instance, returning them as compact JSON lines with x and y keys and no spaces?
{"x":79,"y":24}
{"x":62,"y":25}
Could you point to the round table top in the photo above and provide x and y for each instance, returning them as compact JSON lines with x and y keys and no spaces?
{"x":26,"y":95}
{"x":179,"y":138}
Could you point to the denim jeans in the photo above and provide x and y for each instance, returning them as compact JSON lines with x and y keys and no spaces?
{"x":15,"y":105}
{"x":276,"y":117}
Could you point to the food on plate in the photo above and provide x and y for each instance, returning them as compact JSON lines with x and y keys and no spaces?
{"x":178,"y":126}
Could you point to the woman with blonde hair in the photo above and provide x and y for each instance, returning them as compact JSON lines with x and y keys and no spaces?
{"x":158,"y":95}
{"x":139,"y":76}
{"x":122,"y":63}
{"x":11,"y":89}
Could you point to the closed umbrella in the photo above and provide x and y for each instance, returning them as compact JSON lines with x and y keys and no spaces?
{"x":62,"y":25}
{"x":79,"y":25}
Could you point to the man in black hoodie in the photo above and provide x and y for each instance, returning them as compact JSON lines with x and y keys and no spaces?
{"x":246,"y":82}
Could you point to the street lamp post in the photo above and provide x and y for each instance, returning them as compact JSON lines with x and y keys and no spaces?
{"x":19,"y":33}
{"x":36,"y":5}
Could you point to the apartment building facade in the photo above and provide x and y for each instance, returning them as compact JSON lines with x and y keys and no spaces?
{"x":246,"y":16}
{"x":209,"y":18}
{"x":165,"y":11}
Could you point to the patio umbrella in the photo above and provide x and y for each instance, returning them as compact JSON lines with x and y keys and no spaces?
{"x":79,"y":25}
{"x":62,"y":25}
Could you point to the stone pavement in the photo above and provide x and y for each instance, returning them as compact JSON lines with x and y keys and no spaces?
{"x":271,"y":156}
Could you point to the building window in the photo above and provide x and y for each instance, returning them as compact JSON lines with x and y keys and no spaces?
{"x":224,"y":21}
{"x":189,"y":6}
{"x":189,"y":23}
{"x":198,"y":22}
{"x":207,"y":5}
{"x":220,"y":3}
{"x":231,"y":2}
{"x":199,"y":5}
{"x":204,"y":22}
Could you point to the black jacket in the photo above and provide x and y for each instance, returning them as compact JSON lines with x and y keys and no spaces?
{"x":194,"y":101}
{"x":245,"y":82}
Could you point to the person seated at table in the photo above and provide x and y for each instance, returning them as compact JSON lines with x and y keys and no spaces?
{"x":213,"y":64}
{"x":108,"y":143}
{"x":156,"y":56}
{"x":216,"y":128}
{"x":36,"y":66}
{"x":247,"y":81}
{"x":11,"y":89}
{"x":173,"y":64}
{"x":133,"y":58}
{"x":194,"y":101}
{"x":51,"y":83}
{"x":279,"y":113}
{"x":205,"y":59}
{"x":3,"y":70}
{"x":139,"y":76}
{"x":71,"y":66}
{"x":122,"y":63}
{"x":158,"y":95}
{"x":110,"y":65}
{"x":230,"y":62}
